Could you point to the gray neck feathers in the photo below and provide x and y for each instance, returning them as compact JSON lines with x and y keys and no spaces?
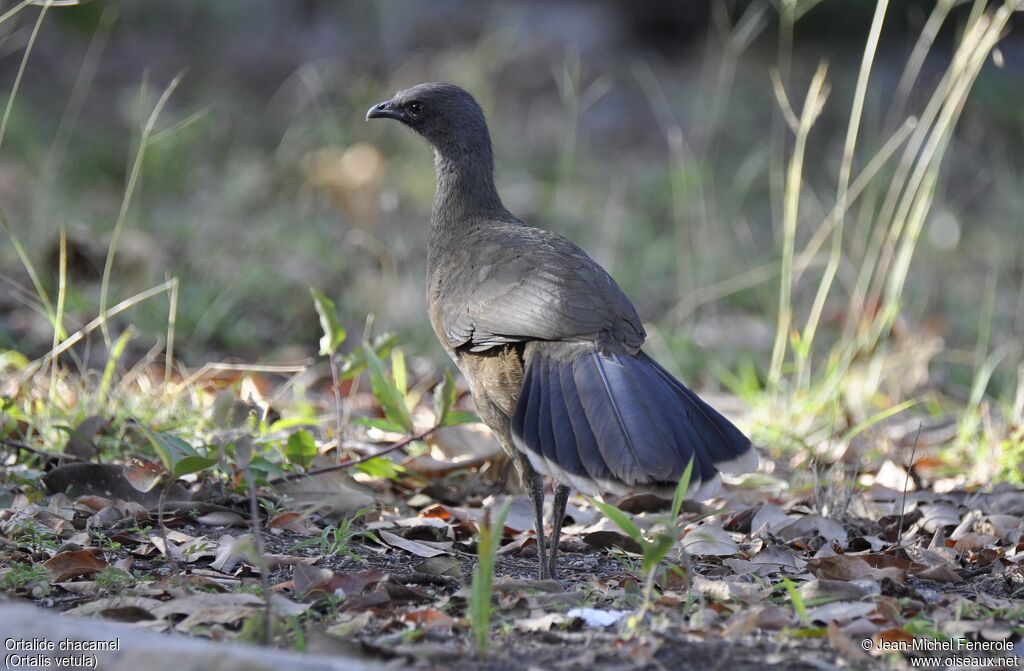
{"x":464,"y":164}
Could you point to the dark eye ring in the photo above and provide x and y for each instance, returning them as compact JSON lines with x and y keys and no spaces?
{"x":415,"y":107}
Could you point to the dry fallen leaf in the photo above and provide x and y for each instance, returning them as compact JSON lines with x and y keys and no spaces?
{"x":849,"y":650}
{"x":222,"y":518}
{"x":72,"y":564}
{"x":297,"y":523}
{"x":415,"y":547}
{"x":430,"y":618}
{"x":709,"y":540}
{"x":847,"y":567}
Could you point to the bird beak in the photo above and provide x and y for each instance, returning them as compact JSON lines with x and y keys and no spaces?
{"x":386,"y":110}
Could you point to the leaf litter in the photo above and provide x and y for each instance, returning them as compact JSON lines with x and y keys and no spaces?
{"x":380,"y":560}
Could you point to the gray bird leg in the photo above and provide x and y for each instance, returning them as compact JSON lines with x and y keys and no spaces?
{"x":535,"y":485}
{"x":561,"y":499}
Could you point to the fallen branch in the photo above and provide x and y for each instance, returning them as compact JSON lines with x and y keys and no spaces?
{"x":353,"y":462}
{"x":19,"y":445}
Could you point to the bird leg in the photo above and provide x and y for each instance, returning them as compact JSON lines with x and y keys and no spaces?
{"x":535,"y":485}
{"x":558,"y":515}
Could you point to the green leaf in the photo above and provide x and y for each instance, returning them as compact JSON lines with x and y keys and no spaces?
{"x":380,"y":467}
{"x":655,"y":551}
{"x":262,"y":465}
{"x":444,"y":399}
{"x":379,"y":423}
{"x":621,"y":520}
{"x":192,"y":464}
{"x":456,"y":417}
{"x":398,"y":372}
{"x":334,"y":332}
{"x":300,"y":449}
{"x":390,"y":398}
{"x":291,"y":423}
{"x":355,"y":363}
{"x":797,"y":600}
{"x":681,"y":489}
{"x":12,"y":360}
{"x":178,"y":457}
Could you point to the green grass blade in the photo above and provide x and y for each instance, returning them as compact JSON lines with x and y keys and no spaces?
{"x":483,"y":577}
{"x":111,"y":367}
{"x":681,"y":489}
{"x":797,"y":601}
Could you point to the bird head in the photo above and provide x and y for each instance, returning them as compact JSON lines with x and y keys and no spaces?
{"x":445,"y":115}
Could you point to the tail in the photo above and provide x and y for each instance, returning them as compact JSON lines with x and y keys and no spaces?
{"x":603,"y":422}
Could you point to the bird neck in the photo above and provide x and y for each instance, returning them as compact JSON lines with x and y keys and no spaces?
{"x":465,"y":191}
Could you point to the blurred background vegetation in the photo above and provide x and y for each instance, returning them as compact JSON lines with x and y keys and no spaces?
{"x":650,"y":133}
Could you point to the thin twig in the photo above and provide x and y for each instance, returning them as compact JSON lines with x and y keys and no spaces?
{"x":257,"y":539}
{"x":352,"y":462}
{"x":906,"y":484}
{"x":19,"y":445}
{"x":163,"y":528}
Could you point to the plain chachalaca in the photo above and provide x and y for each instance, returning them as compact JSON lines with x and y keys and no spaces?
{"x":550,"y":345}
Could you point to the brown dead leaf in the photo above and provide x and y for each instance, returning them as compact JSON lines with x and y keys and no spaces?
{"x":143,"y":475}
{"x":811,"y":525}
{"x":310,"y":579}
{"x":893,"y":638}
{"x":455,"y":447}
{"x":768,"y":561}
{"x":333,"y":494}
{"x":766,"y":616}
{"x":846,"y":647}
{"x":297,"y":523}
{"x":430,"y":618}
{"x":971,"y":542}
{"x":206,"y":601}
{"x":415,"y":547}
{"x":823,"y":588}
{"x":847,"y":567}
{"x":222,"y":615}
{"x":604,"y":534}
{"x":939,"y":573}
{"x":769,"y":517}
{"x":882,"y":560}
{"x":440,"y":565}
{"x":80,"y":587}
{"x":93,"y":502}
{"x":123,"y":608}
{"x":357,"y":582}
{"x":72,"y":564}
{"x":642,"y":502}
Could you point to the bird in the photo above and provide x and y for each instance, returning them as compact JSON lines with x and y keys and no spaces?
{"x":550,"y":345}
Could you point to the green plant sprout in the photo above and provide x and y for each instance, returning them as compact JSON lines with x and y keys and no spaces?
{"x":482,"y":589}
{"x":654,"y":549}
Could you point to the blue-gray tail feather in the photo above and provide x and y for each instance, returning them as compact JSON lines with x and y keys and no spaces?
{"x":618,"y":421}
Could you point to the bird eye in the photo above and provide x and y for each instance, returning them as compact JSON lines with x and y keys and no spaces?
{"x":415,"y":107}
